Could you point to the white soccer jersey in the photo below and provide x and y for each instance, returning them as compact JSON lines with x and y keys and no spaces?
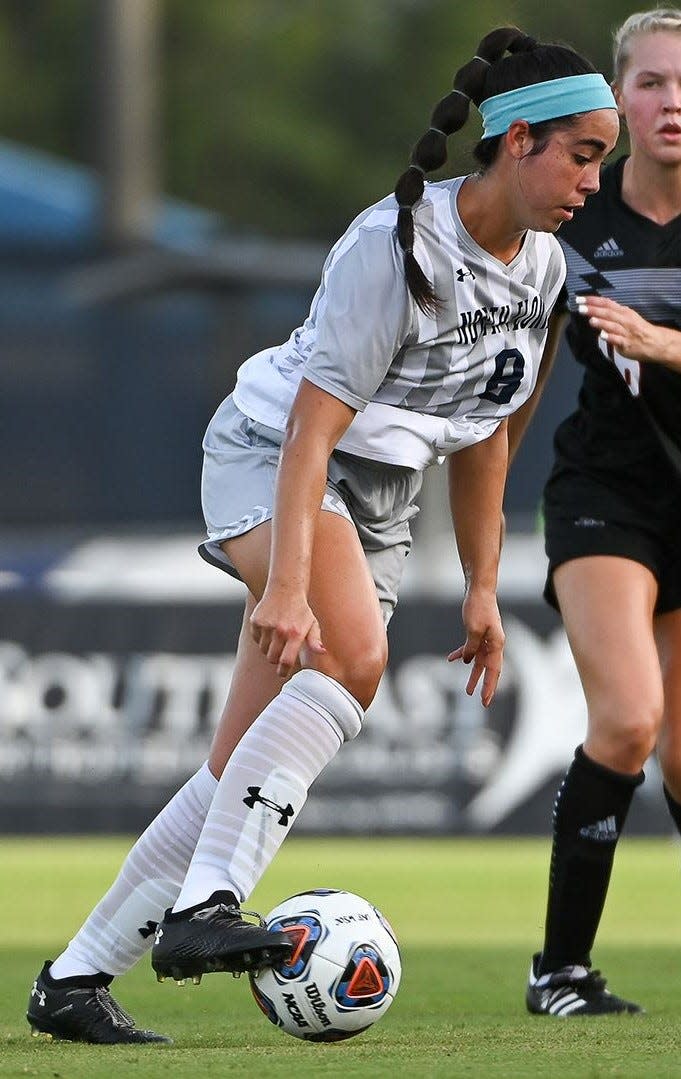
{"x":423,"y":387}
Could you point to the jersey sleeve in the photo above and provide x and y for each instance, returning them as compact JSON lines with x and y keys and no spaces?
{"x":364,"y":316}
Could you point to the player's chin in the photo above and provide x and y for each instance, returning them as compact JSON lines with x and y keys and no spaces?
{"x":549,"y":222}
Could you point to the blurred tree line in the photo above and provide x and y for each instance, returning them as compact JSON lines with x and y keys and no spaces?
{"x":286,"y":116}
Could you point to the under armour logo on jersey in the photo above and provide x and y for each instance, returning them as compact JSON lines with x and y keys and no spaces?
{"x":609,"y":249}
{"x":146,"y":930}
{"x":462,"y":272}
{"x":254,"y":796}
{"x":40,"y":994}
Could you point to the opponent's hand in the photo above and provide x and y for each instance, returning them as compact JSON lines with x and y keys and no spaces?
{"x":281,"y":624}
{"x":623,"y":328}
{"x":484,"y":646}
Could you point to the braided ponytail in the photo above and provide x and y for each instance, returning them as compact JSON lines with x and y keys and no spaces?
{"x":430,"y":152}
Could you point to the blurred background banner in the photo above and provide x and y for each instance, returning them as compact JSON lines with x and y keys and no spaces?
{"x":114,"y":663}
{"x":171,"y":177}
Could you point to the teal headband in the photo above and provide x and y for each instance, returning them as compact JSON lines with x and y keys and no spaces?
{"x":545,"y":101}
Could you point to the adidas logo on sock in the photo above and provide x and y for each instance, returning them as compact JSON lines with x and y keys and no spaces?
{"x":609,"y":249}
{"x":603,"y":831}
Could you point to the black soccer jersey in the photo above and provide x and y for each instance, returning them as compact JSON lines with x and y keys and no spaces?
{"x":627,"y":411}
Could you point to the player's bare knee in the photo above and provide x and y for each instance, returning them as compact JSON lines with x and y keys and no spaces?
{"x":638,"y":742}
{"x":359,"y":671}
{"x":363,"y":683}
{"x":367,"y":673}
{"x":631,"y":741}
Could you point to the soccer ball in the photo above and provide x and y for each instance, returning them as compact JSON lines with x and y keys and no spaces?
{"x":344,"y":970}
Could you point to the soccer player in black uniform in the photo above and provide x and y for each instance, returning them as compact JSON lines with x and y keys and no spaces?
{"x":613,"y":508}
{"x":425,"y":336}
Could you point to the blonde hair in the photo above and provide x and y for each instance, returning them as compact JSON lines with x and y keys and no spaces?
{"x":641,"y":22}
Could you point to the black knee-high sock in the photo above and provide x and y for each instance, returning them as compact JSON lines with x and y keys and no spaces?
{"x":674,"y":808}
{"x":590,"y":810}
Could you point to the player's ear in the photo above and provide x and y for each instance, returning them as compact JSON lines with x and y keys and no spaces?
{"x":618,"y":100}
{"x":517,"y":140}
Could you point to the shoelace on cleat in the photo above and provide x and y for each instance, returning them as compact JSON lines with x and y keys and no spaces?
{"x":116,"y":1014}
{"x":229,"y":911}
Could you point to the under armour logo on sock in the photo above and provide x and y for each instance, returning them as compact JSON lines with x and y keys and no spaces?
{"x":603,"y":831}
{"x":146,"y":930}
{"x":254,"y":795}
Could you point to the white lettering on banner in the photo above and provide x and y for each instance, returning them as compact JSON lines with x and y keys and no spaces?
{"x":95,"y":716}
{"x":428,"y":752}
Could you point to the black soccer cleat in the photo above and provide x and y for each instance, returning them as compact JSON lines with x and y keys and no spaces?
{"x":82,"y":1009}
{"x":574,"y":990}
{"x":213,"y":936}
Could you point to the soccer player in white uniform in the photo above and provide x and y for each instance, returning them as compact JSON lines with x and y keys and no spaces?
{"x":426,"y":335}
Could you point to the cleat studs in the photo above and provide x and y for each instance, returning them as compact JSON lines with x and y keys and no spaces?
{"x":181,"y":982}
{"x":265,"y":954}
{"x":160,"y":977}
{"x":237,"y":973}
{"x":196,"y":979}
{"x":37,"y":1033}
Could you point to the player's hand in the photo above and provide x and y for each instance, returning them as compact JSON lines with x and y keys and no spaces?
{"x":281,"y":624}
{"x":623,"y":328}
{"x":484,"y":646}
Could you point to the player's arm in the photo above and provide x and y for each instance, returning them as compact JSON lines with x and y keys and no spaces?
{"x":631,"y":335}
{"x":519,"y":421}
{"x":282,"y":621}
{"x":477,"y":477}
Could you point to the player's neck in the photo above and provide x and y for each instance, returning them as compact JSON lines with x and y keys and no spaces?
{"x":652,"y":189}
{"x":486,"y":217}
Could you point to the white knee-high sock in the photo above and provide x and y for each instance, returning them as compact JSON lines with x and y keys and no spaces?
{"x":265,"y":785}
{"x":120,"y":928}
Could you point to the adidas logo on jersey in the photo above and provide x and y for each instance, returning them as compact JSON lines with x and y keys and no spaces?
{"x":603,"y":831}
{"x":609,"y":249}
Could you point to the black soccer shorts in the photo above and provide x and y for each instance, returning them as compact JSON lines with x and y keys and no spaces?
{"x":590,"y":515}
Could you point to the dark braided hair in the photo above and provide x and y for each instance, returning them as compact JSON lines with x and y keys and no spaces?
{"x":487,"y":74}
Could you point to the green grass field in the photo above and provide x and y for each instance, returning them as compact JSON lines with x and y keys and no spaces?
{"x":468,"y":915}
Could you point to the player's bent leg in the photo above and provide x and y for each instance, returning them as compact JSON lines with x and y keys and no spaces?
{"x":81,"y":1009}
{"x":265,"y":783}
{"x":261,"y":793}
{"x":214,"y":936}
